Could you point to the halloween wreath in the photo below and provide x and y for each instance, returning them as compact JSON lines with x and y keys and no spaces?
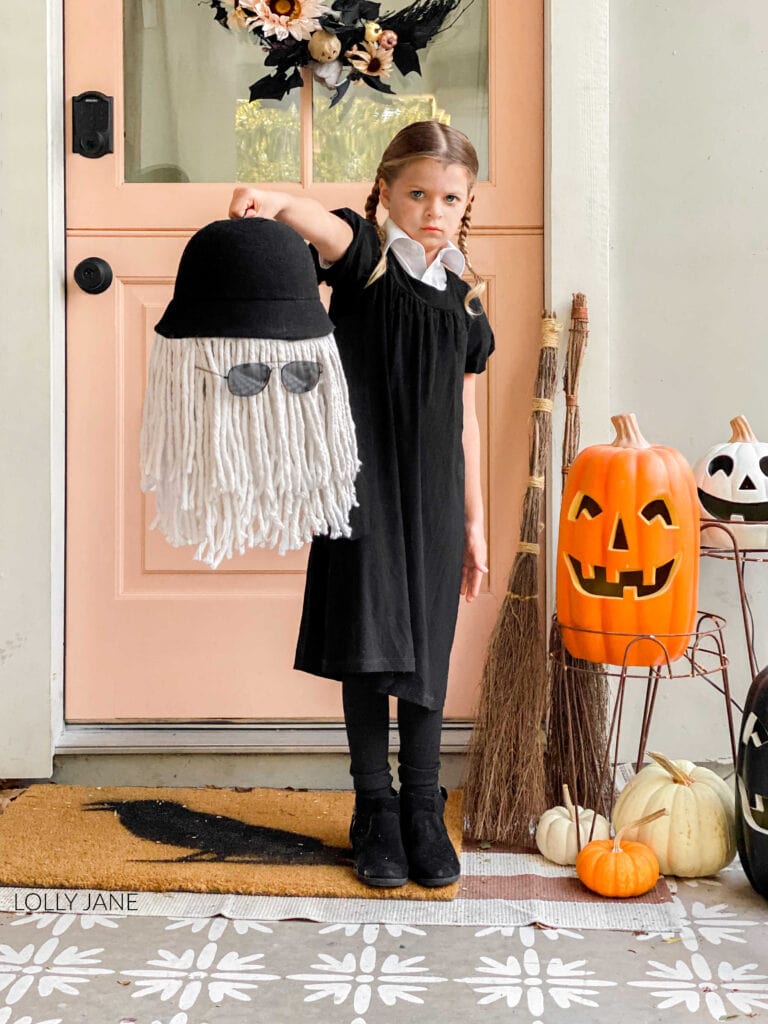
{"x":348,"y":41}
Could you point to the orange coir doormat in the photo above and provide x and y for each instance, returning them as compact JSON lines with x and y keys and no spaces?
{"x":272,"y":842}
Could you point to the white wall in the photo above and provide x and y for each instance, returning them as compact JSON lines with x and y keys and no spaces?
{"x":689,"y":268}
{"x":31,"y":386}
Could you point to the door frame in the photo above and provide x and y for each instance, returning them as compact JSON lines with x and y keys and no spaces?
{"x":32,"y":292}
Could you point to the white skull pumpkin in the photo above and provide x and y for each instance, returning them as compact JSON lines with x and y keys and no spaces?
{"x":732,"y":481}
{"x":372,"y":31}
{"x":324,"y":46}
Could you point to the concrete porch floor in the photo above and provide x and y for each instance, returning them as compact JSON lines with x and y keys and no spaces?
{"x":66,"y":968}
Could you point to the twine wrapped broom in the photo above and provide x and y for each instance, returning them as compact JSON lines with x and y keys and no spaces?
{"x":505,"y":786}
{"x":575,"y":741}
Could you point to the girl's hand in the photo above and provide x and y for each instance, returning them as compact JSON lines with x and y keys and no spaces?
{"x":475,"y":556}
{"x":255,"y":202}
{"x":329,"y":234}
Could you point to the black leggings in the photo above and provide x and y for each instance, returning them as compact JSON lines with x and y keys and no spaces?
{"x":366,"y":715}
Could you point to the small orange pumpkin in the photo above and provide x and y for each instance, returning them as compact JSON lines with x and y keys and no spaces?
{"x":628,"y":550}
{"x":618,"y":866}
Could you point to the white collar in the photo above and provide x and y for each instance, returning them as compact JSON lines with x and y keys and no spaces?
{"x":450,"y":255}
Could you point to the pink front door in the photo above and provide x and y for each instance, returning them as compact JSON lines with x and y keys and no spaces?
{"x":151,"y":634}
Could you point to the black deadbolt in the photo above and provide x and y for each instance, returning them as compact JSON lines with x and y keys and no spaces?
{"x":94,"y":275}
{"x":92,"y":124}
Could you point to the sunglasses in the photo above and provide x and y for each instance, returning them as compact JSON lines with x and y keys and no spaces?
{"x":247,"y":379}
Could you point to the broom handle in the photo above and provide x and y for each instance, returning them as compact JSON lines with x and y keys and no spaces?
{"x":579,"y":329}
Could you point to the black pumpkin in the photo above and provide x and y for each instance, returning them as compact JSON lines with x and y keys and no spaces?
{"x":752,"y":786}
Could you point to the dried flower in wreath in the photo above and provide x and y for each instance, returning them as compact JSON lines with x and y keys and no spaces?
{"x":371,"y":60}
{"x":346,"y":41}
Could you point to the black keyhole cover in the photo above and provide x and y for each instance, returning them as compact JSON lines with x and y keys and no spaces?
{"x":93,"y":275}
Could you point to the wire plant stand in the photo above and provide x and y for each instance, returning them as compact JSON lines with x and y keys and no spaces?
{"x":740,"y":556}
{"x":704,"y":658}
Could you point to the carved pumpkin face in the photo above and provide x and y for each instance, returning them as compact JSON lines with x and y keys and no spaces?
{"x":628,"y":549}
{"x":752,"y":786}
{"x":732,"y":482}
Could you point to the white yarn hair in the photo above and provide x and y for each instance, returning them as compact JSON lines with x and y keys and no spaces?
{"x":231,"y":472}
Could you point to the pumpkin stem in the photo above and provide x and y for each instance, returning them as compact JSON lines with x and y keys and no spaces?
{"x":627,"y":431}
{"x":632,"y":824}
{"x":679,"y":776}
{"x":568,"y":802}
{"x":741,"y":430}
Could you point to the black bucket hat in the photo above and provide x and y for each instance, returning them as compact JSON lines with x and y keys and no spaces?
{"x":248,"y":278}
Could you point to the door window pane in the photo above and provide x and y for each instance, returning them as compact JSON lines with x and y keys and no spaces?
{"x":349,"y":138}
{"x":188,"y":117}
{"x":187,"y":114}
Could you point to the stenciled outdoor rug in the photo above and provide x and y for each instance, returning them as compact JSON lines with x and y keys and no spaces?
{"x":43,"y":868}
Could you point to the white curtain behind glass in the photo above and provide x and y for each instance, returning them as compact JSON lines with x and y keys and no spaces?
{"x":183,"y":77}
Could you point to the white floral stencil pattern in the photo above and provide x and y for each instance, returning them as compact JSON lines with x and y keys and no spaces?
{"x":46,"y":970}
{"x":712,"y":924}
{"x":362,"y":978}
{"x":698,"y":987}
{"x":216,"y":926}
{"x":178,"y":1018}
{"x":187,"y":974}
{"x":531,"y":981}
{"x":61,"y":923}
{"x":527,"y":933}
{"x":371,"y":932}
{"x":5,"y":1018}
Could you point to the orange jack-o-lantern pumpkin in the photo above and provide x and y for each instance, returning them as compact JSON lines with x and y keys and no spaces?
{"x":628,"y":550}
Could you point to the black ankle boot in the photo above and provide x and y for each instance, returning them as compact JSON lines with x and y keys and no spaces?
{"x":432,"y":860}
{"x":376,"y":843}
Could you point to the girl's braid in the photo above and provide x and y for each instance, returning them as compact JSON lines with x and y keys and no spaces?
{"x":479,"y":286}
{"x":371,"y":205}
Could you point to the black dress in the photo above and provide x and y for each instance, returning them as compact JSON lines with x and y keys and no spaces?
{"x":382,"y":604}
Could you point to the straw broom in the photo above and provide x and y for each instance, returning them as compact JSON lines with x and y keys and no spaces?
{"x":578,"y":336}
{"x":575,"y":743}
{"x":505,"y":786}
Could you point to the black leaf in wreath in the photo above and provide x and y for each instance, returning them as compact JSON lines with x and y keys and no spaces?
{"x":220,"y":13}
{"x":406,"y":58}
{"x":274,"y":87}
{"x":283,"y":52}
{"x":419,"y":22}
{"x":377,"y":84}
{"x":285,"y":55}
{"x":352,"y":11}
{"x":339,"y":94}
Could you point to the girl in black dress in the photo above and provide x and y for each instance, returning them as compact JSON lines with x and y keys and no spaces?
{"x":380,"y":607}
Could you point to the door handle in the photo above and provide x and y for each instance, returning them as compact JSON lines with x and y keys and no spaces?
{"x":93,"y":275}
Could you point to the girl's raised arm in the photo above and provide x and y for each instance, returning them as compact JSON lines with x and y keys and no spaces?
{"x":330,"y":235}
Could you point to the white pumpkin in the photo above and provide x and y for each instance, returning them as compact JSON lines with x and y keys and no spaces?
{"x":732,"y":481}
{"x":699,"y":836}
{"x":556,"y":831}
{"x":324,"y":46}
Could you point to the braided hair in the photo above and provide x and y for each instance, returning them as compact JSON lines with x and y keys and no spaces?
{"x":371,"y":205}
{"x":479,"y":286}
{"x":435,"y":141}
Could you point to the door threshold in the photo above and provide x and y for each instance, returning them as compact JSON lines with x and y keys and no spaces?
{"x":234,"y":738}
